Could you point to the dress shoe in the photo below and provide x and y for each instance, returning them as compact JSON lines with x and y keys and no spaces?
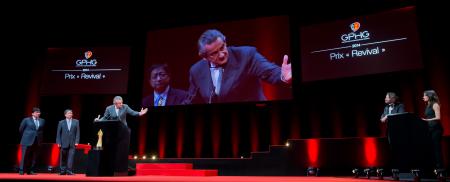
{"x":70,"y":173}
{"x":395,"y":174}
{"x":440,"y":174}
{"x":62,"y":173}
{"x":20,"y":172}
{"x":31,"y":173}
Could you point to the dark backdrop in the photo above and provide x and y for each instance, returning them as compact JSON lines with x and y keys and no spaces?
{"x":348,"y":107}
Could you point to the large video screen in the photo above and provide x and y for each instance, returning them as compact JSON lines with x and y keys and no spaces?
{"x":177,"y":74}
{"x":98,"y":70}
{"x":379,"y":43}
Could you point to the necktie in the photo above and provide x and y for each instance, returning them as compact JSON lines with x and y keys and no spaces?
{"x":219,"y":81}
{"x":391,"y":107}
{"x":160,"y":101}
{"x":36,"y":123}
{"x":217,"y":78}
{"x":69,"y":122}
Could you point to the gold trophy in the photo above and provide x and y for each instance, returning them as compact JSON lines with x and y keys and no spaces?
{"x":99,"y":142}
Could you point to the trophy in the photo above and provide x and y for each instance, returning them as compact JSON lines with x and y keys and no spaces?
{"x":99,"y":142}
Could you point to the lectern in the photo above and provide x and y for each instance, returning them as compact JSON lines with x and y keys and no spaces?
{"x":409,"y":141}
{"x":110,"y":158}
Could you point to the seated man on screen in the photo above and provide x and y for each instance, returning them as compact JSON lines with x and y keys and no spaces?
{"x":119,"y":111}
{"x":232,"y":74}
{"x":392,"y":107}
{"x":163,"y":94}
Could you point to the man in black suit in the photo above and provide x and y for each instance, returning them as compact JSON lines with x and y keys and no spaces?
{"x":232,"y":74}
{"x":392,"y":106}
{"x":32,"y":129}
{"x":119,"y":111}
{"x":67,"y":138}
{"x":163,"y":94}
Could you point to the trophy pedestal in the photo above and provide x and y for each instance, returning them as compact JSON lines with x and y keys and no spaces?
{"x":110,"y":156}
{"x":95,"y":168}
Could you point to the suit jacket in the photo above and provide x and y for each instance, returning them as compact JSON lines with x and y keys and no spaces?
{"x":29,"y":132}
{"x":241,"y":79}
{"x":66,"y":138}
{"x":110,"y":113}
{"x":398,"y":108}
{"x":174,"y":97}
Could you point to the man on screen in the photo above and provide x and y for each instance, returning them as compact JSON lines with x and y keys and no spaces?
{"x":163,"y":94}
{"x":232,"y":74}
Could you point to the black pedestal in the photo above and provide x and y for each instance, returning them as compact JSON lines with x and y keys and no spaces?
{"x":409,"y":141}
{"x":98,"y":164}
{"x":112,"y":159}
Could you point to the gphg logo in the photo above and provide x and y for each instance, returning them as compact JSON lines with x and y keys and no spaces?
{"x":88,"y":54}
{"x":355,"y":35}
{"x":86,"y":62}
{"x":355,"y":26}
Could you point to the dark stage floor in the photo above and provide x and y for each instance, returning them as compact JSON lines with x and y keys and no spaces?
{"x":82,"y":177}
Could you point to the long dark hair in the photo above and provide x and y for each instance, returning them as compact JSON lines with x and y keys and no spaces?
{"x":432,"y":97}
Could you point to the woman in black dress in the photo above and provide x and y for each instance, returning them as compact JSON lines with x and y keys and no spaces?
{"x":433,"y":117}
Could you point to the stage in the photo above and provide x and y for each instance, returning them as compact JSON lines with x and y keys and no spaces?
{"x":82,"y":177}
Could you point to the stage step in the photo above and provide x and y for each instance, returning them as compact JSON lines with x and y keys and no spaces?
{"x":163,"y":166}
{"x":176,"y":172}
{"x":258,"y":155}
{"x":171,"y":169}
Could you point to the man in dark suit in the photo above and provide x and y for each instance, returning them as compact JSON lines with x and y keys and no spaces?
{"x":67,"y":138}
{"x":392,"y":106}
{"x":31,"y":129}
{"x":119,"y":111}
{"x":163,"y":94}
{"x":232,"y":74}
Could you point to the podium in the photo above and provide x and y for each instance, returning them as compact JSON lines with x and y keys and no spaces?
{"x":409,"y":141}
{"x":112,"y":158}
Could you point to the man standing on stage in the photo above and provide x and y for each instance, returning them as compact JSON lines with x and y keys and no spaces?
{"x":67,"y":138}
{"x":31,"y":129}
{"x":119,"y":111}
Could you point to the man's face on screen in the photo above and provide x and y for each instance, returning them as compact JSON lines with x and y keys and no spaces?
{"x":159,"y":79}
{"x":216,"y":52}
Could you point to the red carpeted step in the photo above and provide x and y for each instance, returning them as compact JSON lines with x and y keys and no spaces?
{"x":176,"y":172}
{"x":163,"y":166}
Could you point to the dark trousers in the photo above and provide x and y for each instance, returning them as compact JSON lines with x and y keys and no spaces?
{"x":66,"y":158}
{"x":28,"y":159}
{"x":436,"y":131}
